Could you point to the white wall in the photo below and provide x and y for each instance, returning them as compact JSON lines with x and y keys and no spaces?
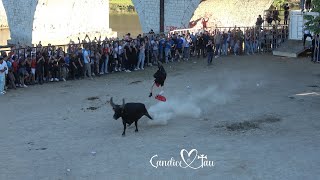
{"x":296,"y":24}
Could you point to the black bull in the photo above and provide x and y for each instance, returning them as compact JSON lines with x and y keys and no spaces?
{"x":129,"y":112}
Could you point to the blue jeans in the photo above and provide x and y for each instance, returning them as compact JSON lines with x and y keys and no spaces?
{"x":225,"y":49}
{"x":142,"y":57}
{"x":252,"y":47}
{"x":2,"y":82}
{"x":236,"y":49}
{"x":167,"y":52}
{"x":302,"y":4}
{"x":104,"y":66}
{"x":161,"y":54}
{"x":247,"y":47}
{"x":217,"y":49}
{"x":210,"y":56}
{"x":186,"y":52}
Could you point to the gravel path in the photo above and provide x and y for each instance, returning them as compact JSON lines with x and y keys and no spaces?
{"x":243,"y":113}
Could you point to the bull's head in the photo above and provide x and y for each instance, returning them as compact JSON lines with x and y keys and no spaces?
{"x":118,"y":109}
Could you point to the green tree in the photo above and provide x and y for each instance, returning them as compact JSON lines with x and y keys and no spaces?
{"x":314,"y":22}
{"x":278,"y":3}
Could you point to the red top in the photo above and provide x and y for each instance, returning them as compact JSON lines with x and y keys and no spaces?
{"x":204,"y":23}
{"x":106,"y":50}
{"x":33,"y":63}
{"x":15,"y":66}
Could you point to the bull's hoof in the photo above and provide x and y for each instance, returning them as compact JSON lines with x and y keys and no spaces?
{"x":136,"y":130}
{"x":123,"y":134}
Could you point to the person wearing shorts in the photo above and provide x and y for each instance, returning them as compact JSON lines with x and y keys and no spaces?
{"x":23,"y":73}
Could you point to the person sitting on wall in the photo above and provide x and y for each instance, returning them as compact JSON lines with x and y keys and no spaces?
{"x":259,"y":21}
{"x":276,"y":16}
{"x":308,"y":5}
{"x":302,"y":5}
{"x":269,"y":18}
{"x":204,"y":23}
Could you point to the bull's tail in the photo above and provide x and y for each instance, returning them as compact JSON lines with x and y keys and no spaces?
{"x":148,"y":115}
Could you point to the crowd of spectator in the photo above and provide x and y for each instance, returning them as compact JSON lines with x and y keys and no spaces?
{"x":91,"y":58}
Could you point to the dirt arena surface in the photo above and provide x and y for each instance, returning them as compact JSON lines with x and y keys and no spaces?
{"x":250,"y":115}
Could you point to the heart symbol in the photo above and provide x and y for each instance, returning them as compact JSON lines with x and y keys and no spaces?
{"x":188,"y":163}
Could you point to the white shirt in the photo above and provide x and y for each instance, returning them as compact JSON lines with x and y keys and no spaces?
{"x":306,"y":31}
{"x":187,"y":42}
{"x":2,"y":66}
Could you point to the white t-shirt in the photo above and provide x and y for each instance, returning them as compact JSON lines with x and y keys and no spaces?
{"x":183,"y":42}
{"x":2,"y":66}
{"x":306,"y":31}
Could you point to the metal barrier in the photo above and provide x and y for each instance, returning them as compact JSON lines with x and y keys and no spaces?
{"x":271,"y":37}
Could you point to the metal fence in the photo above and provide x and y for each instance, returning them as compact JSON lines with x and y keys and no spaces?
{"x":267,"y":38}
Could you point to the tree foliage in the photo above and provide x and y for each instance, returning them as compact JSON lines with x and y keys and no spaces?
{"x":278,"y":3}
{"x":313,"y":23}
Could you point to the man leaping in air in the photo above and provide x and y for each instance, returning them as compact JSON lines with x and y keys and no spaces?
{"x":160,"y":76}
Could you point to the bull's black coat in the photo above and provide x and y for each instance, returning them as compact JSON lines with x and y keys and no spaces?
{"x":129,"y":112}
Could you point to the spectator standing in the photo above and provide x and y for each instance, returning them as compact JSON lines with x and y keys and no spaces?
{"x":167,"y":50}
{"x":155,"y":51}
{"x":23,"y":74}
{"x":186,"y":49}
{"x":237,"y":48}
{"x":40,"y":67}
{"x":306,"y":34}
{"x":209,"y":47}
{"x":286,"y":13}
{"x":3,"y":71}
{"x":217,"y":43}
{"x":87,"y":62}
{"x":33,"y":69}
{"x":142,"y":56}
{"x":224,"y":44}
{"x":315,"y":57}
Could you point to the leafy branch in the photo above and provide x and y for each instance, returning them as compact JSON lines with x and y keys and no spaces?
{"x":313,"y":22}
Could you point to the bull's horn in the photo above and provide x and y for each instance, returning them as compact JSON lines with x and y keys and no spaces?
{"x":111,"y":102}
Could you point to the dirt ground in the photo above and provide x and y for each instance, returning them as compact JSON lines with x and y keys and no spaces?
{"x":250,"y":115}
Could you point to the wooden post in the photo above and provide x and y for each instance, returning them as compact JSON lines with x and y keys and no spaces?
{"x":161,"y":16}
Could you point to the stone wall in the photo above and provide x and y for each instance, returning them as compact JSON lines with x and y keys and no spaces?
{"x":3,"y":17}
{"x":20,"y":15}
{"x":177,"y":13}
{"x":228,"y":13}
{"x":57,"y":21}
